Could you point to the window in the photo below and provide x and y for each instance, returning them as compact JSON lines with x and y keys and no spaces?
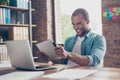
{"x":63,"y":11}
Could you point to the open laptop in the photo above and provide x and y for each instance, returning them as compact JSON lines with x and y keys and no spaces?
{"x":20,"y":55}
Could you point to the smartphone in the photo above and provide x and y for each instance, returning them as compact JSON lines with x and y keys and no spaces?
{"x":54,"y":44}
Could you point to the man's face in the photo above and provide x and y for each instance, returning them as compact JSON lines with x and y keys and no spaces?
{"x":80,"y":25}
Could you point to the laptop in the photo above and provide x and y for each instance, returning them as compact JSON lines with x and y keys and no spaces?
{"x":20,"y":55}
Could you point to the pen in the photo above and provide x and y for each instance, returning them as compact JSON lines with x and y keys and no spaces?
{"x":60,"y":68}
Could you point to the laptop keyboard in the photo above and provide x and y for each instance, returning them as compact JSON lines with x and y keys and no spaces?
{"x":44,"y":67}
{"x":56,"y":67}
{"x":41,"y":66}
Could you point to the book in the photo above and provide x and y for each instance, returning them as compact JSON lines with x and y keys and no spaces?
{"x":1,"y":19}
{"x":3,"y":53}
{"x":7,"y":16}
{"x":4,"y":16}
{"x":19,"y":3}
{"x":18,"y":33}
{"x":15,"y":3}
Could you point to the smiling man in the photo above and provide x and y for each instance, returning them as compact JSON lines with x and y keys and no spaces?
{"x":85,"y":48}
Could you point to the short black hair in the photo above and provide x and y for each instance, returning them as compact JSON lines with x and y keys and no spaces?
{"x":81,"y":11}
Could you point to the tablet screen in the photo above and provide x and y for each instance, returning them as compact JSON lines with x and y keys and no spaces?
{"x":47,"y":47}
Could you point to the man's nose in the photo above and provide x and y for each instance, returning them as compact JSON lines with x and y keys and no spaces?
{"x":76,"y":26}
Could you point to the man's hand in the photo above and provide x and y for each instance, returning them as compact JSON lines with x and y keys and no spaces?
{"x":60,"y":52}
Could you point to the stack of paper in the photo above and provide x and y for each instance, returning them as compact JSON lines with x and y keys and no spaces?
{"x":71,"y":74}
{"x":21,"y":75}
{"x":5,"y":64}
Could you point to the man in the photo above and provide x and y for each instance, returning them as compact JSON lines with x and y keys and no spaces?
{"x":85,"y":48}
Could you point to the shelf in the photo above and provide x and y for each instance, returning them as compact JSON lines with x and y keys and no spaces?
{"x":4,"y":42}
{"x":15,"y":8}
{"x":16,"y":25}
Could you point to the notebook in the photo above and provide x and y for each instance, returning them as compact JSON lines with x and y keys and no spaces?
{"x":48,"y":47}
{"x":20,"y":55}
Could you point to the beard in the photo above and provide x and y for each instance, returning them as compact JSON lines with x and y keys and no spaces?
{"x":82,"y":32}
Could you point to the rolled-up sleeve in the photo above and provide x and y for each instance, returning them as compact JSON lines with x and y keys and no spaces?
{"x":90,"y":60}
{"x":98,"y":51}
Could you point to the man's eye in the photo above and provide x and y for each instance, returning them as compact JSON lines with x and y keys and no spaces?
{"x":78,"y":23}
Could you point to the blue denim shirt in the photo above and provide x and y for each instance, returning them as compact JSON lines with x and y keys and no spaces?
{"x":93,"y":46}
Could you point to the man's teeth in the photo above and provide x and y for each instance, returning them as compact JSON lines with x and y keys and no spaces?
{"x":78,"y":30}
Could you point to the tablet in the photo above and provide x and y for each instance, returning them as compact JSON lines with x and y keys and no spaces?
{"x":47,"y":47}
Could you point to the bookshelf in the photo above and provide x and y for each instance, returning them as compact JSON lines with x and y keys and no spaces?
{"x":12,"y":26}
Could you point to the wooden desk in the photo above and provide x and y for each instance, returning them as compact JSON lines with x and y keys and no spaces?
{"x":101,"y":74}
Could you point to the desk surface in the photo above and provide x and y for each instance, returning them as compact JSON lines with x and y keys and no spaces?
{"x":103,"y":73}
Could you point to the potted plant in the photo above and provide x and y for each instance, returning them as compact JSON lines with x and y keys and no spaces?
{"x":4,"y":2}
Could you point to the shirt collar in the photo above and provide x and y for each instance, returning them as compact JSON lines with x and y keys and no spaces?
{"x":88,"y":34}
{"x":85,"y":36}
